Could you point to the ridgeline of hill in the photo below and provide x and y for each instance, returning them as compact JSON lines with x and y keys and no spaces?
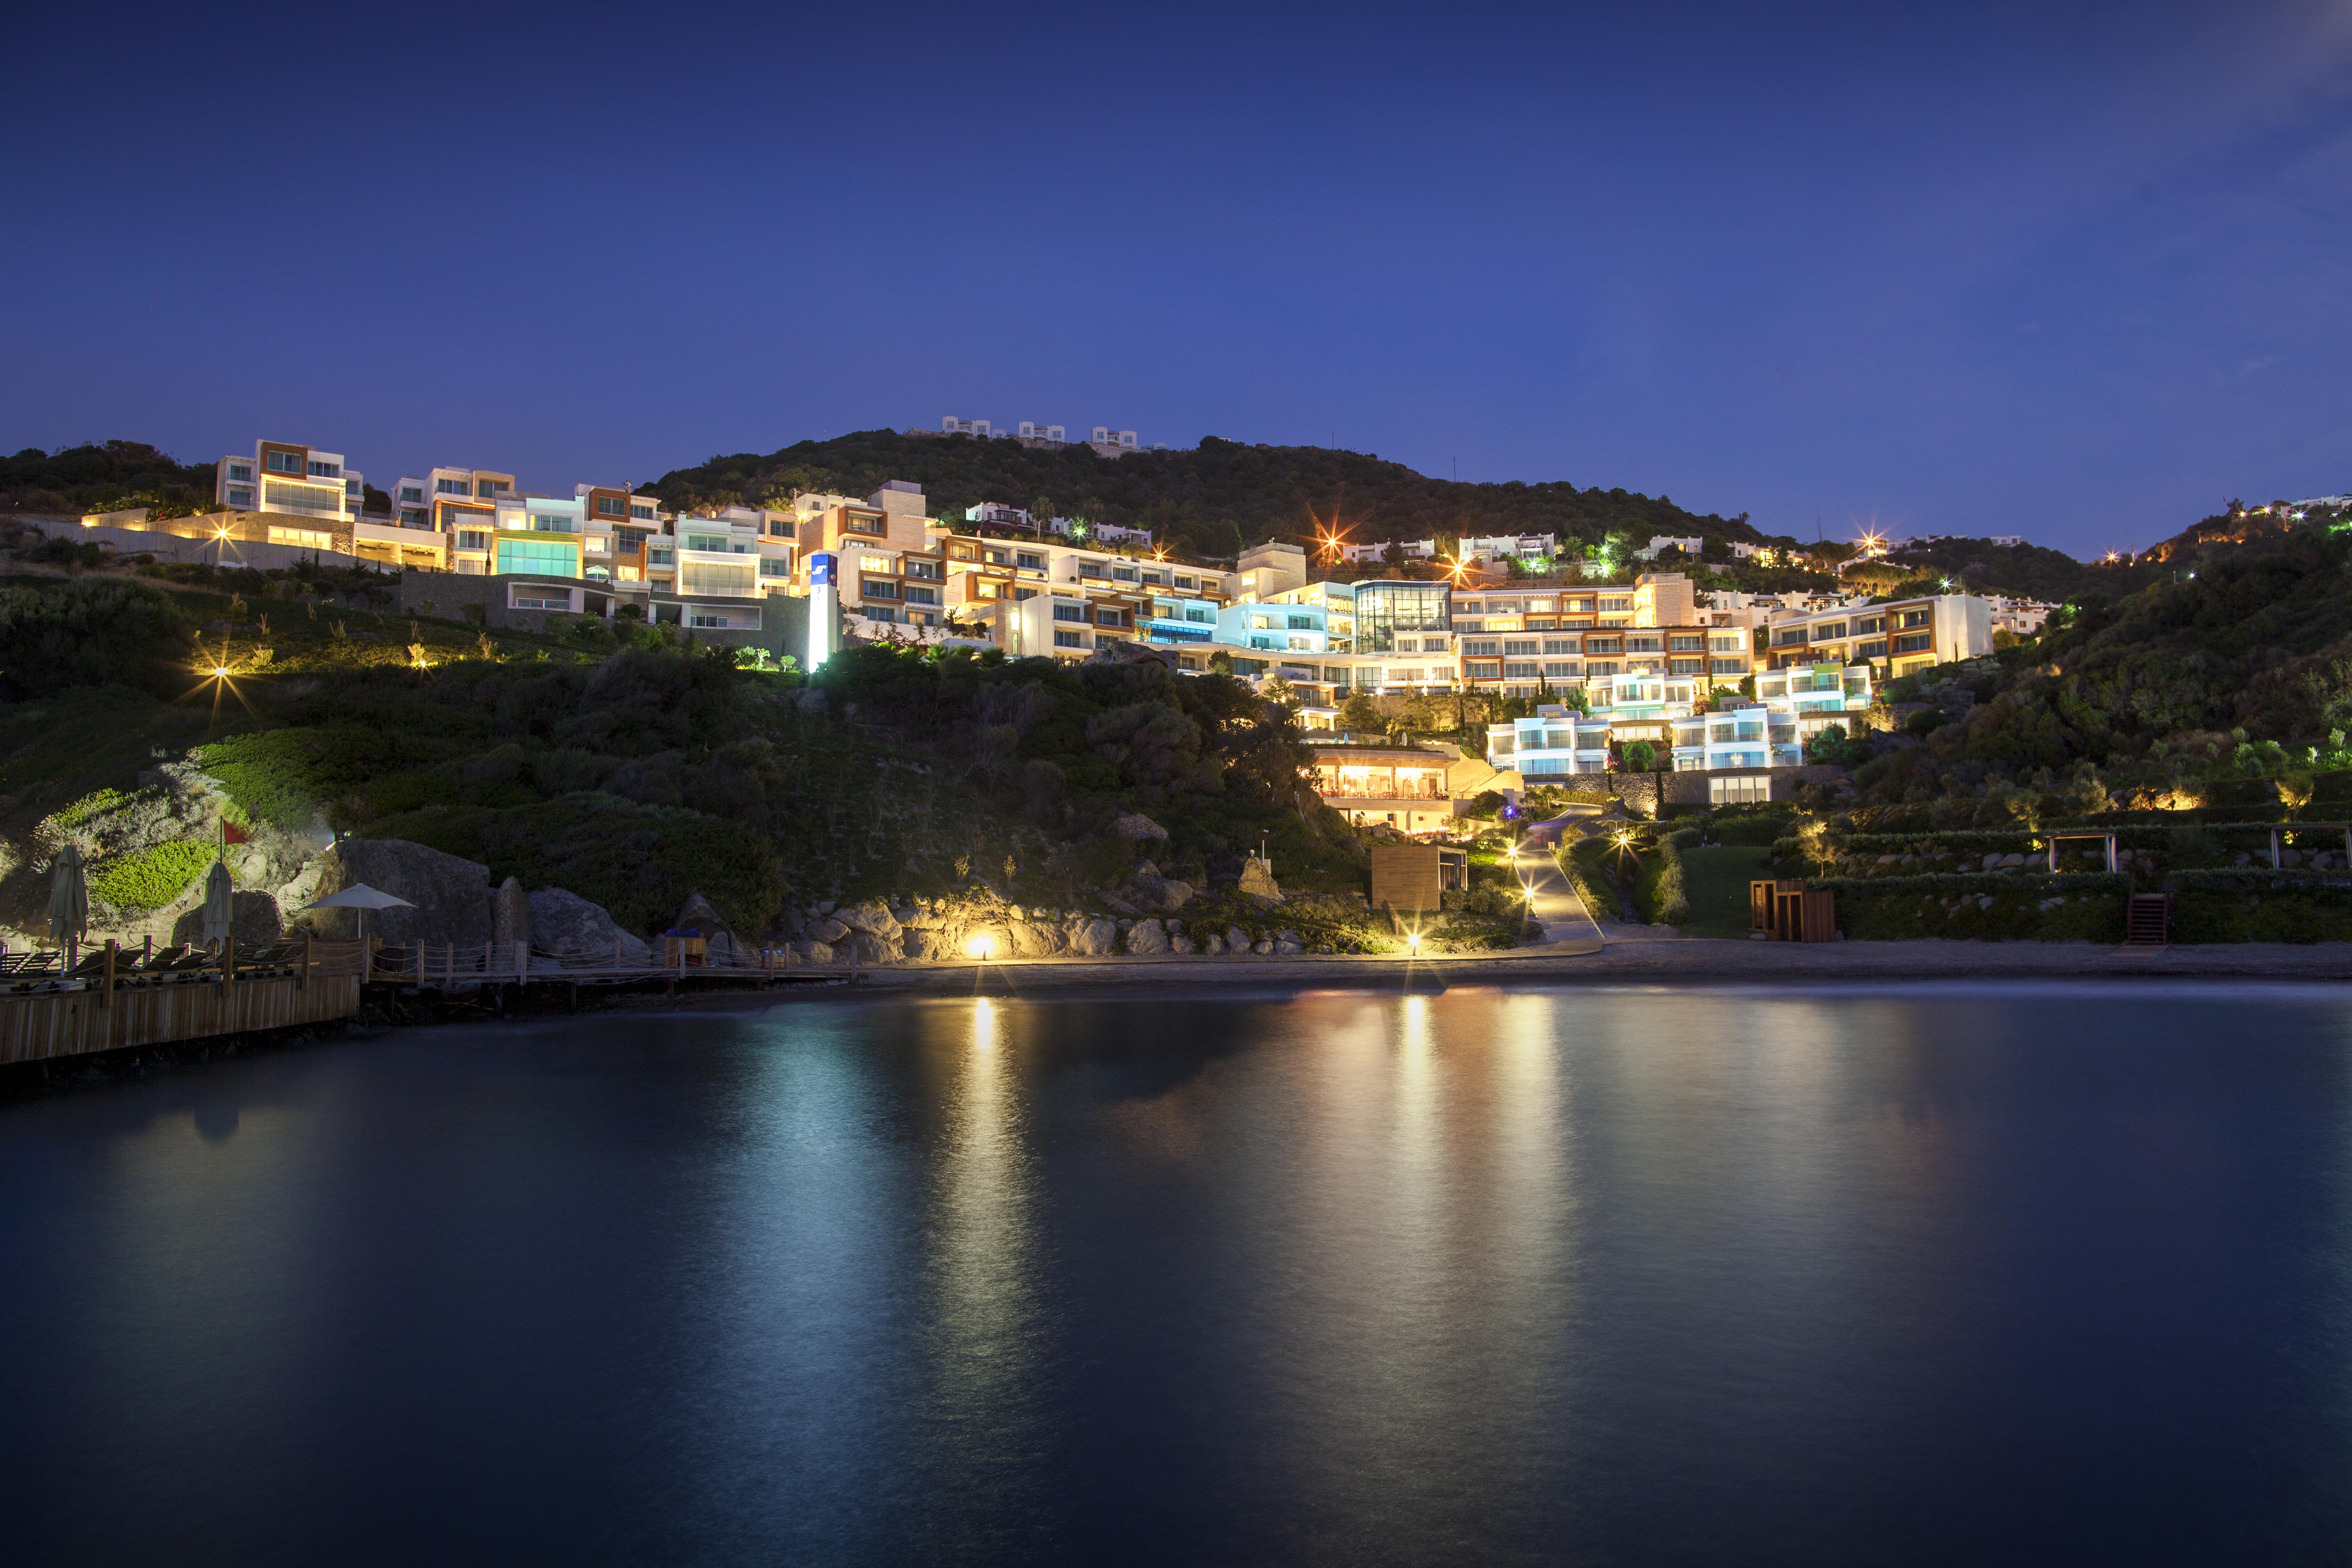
{"x":1213,"y":500}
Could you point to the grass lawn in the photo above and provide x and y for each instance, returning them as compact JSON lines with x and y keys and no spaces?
{"x":1716,"y":883}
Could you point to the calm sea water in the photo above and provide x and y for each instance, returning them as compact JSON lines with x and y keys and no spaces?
{"x":1960,"y":1276}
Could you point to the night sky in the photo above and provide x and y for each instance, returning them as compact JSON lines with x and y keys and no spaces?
{"x":2078,"y":272}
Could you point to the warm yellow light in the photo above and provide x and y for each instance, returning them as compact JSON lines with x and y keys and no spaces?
{"x":1413,"y":940}
{"x":220,"y":669}
{"x":979,"y":946}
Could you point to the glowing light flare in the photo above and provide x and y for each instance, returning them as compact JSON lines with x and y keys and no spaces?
{"x":981,"y":947}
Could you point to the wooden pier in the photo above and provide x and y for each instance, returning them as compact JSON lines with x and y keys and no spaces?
{"x":79,"y":1003}
{"x":54,"y":1006}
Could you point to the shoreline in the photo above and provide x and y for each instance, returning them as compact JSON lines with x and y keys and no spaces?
{"x":1684,"y":961}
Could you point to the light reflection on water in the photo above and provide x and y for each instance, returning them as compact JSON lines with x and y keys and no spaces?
{"x":1610,"y":1275}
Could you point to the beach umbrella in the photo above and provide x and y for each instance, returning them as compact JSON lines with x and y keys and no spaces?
{"x":360,"y":897}
{"x":220,"y":902}
{"x":69,"y":897}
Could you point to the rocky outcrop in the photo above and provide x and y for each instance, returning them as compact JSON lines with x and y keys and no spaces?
{"x":697,"y":915}
{"x":1258,"y":883}
{"x":1237,"y":939}
{"x":254,"y":922}
{"x":564,"y":921}
{"x":1147,"y":938}
{"x":874,"y":917}
{"x":1094,"y":938}
{"x":451,"y":895}
{"x":510,"y":914}
{"x":1135,"y":827}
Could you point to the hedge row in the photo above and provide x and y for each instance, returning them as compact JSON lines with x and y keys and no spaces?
{"x":2084,"y":906}
{"x":1658,"y":889}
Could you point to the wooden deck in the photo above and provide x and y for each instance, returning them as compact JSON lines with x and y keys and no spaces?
{"x":57,"y":1005}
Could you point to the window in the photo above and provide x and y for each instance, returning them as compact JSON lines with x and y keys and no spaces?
{"x":1521,"y":645}
{"x":1685,"y":667}
{"x":1110,"y":617}
{"x":1685,"y":645}
{"x":452,"y":487}
{"x":1917,"y":643}
{"x":241,"y":471}
{"x":1123,"y":574}
{"x":1188,"y":582}
{"x":1645,"y":644}
{"x":1069,"y":611}
{"x":1602,"y":644}
{"x":1871,"y":650}
{"x":862,"y":522}
{"x":643,"y":513}
{"x":609,"y":506}
{"x":1914,"y":618}
{"x":1089,"y":568}
{"x":716,"y":542}
{"x":775,"y":566}
{"x":876,"y":588}
{"x":1562,"y":645}
{"x":1026,"y":560}
{"x":1869,"y":624}
{"x":1562,"y":669}
{"x":283,"y":462}
{"x":302,"y":538}
{"x":543,"y":558}
{"x":930,"y":570}
{"x":919,"y":595}
{"x":1730,"y":665}
{"x":1596,"y":669}
{"x":1302,"y":622}
{"x":1199,"y":614}
{"x":302,"y":498}
{"x":473,"y":539}
{"x":412,"y":493}
{"x":552,"y":522}
{"x":490,"y":488}
{"x":325,"y":470}
{"x":1068,"y":640}
{"x":1474,"y":647}
{"x":241,"y":496}
{"x":1519,"y":671}
{"x":1471,"y":608}
{"x":717,"y":619}
{"x":1620,"y":603}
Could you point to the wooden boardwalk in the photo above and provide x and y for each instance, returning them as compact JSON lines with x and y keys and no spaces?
{"x":58,"y":1004}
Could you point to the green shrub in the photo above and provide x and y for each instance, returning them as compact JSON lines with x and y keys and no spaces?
{"x":92,"y":632}
{"x":151,"y":878}
{"x":1750,"y":831}
{"x":1658,"y":891}
{"x":97,"y":803}
{"x":2016,"y":907}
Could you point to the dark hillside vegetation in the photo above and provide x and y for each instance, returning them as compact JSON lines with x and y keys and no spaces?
{"x":1213,"y":500}
{"x":104,"y":476}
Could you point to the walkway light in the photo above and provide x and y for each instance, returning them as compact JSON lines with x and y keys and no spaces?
{"x":980,"y":947}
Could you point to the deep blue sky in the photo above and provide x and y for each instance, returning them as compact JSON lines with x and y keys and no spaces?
{"x":2079,"y":272}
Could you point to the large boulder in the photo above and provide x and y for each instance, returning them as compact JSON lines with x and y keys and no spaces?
{"x":253,"y":922}
{"x":451,"y":895}
{"x":1135,"y":827}
{"x":1095,"y":938}
{"x":1159,"y":895}
{"x":1146,"y":937}
{"x":1033,"y":940}
{"x":564,"y":921}
{"x":697,"y":915}
{"x":829,"y":931}
{"x":510,"y":913}
{"x":1258,"y":883}
{"x":873,"y":917}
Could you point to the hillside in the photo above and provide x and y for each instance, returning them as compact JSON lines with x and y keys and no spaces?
{"x":103,"y":476}
{"x":624,"y":763}
{"x":1213,"y":500}
{"x":2024,"y":571}
{"x":2241,"y":671}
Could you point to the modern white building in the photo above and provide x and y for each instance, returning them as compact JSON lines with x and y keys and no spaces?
{"x":296,"y":480}
{"x":1659,"y":542}
{"x":1116,"y":440}
{"x":951,"y":425}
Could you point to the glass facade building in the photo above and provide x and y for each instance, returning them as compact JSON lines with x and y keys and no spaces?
{"x":1384,"y":610}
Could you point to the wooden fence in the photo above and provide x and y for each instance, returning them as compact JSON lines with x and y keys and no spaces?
{"x":68,"y":1004}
